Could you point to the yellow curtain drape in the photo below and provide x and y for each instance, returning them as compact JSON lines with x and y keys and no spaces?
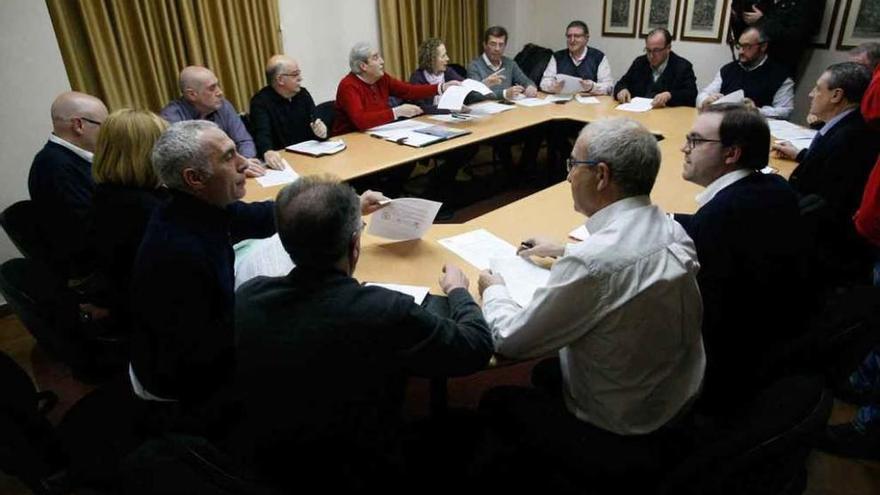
{"x":404,"y":24}
{"x":129,"y":52}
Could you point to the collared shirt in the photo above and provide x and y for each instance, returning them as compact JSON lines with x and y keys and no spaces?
{"x":657,"y":72}
{"x":490,"y":64}
{"x":226,"y":118}
{"x":720,"y":183}
{"x":783,"y":100}
{"x":85,"y":155}
{"x":604,"y":83}
{"x":834,"y":120}
{"x":480,"y":68}
{"x":624,"y":310}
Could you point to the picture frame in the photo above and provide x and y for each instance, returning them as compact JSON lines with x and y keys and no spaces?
{"x":861,"y":23}
{"x":704,"y":20}
{"x":822,"y":39}
{"x":619,"y":18}
{"x":654,"y":12}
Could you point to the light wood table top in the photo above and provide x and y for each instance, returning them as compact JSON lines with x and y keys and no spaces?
{"x":548,"y":212}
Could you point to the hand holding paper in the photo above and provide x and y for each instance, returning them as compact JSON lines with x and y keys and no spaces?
{"x":404,"y":219}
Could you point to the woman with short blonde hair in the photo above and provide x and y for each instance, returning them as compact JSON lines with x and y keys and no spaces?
{"x":125,"y":141}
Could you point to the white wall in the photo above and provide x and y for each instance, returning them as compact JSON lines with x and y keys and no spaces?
{"x":543,"y":22}
{"x":319,"y":34}
{"x":33,"y":74}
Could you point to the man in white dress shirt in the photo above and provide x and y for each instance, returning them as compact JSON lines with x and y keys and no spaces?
{"x":764,"y":81}
{"x":622,"y":308}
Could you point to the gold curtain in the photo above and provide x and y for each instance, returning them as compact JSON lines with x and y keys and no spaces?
{"x":404,"y":24}
{"x":129,"y":52}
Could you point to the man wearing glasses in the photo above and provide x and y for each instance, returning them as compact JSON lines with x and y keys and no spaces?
{"x":589,"y":64}
{"x":60,"y":180}
{"x":659,"y":74}
{"x":282,"y":113}
{"x":764,"y":81}
{"x":622,"y":308}
{"x":750,"y":241}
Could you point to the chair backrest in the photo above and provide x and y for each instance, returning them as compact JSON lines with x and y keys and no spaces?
{"x":533,"y":60}
{"x":326,"y":111}
{"x":21,"y":223}
{"x":765,"y":450}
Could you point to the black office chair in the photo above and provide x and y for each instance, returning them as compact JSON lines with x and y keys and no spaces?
{"x":50,"y":312}
{"x":21,"y":221}
{"x":764,"y":452}
{"x":459,"y":69}
{"x":533,"y":60}
{"x":30,"y":450}
{"x":326,"y":111}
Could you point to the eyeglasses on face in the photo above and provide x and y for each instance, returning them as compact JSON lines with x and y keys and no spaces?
{"x":571,"y":163}
{"x":746,"y":46}
{"x":90,"y":121}
{"x":291,"y":74}
{"x":693,"y":141}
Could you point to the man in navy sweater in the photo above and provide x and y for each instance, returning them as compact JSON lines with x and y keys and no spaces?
{"x":750,"y":242}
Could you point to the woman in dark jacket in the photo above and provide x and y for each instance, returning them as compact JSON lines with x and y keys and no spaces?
{"x":127,"y":191}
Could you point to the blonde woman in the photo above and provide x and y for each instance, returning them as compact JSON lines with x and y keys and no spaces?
{"x":127,"y":191}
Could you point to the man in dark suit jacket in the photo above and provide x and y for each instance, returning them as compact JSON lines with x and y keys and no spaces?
{"x":750,"y":243}
{"x":323,"y":360}
{"x":831,"y":174}
{"x":60,"y":180}
{"x":659,"y":74}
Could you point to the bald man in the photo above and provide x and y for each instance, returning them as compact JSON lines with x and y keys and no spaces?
{"x":282,"y":113}
{"x":60,"y":179}
{"x":202,"y":99}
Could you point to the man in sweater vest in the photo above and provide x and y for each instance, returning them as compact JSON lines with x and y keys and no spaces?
{"x":659,"y":74}
{"x":765,"y":82}
{"x":589,"y":64}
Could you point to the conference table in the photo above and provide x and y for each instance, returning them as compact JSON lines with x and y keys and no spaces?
{"x":548,"y":212}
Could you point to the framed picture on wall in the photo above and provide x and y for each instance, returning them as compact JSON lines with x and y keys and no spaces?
{"x":826,"y":27}
{"x":657,"y":14}
{"x":619,"y":18}
{"x":704,"y":20}
{"x":861,"y":23}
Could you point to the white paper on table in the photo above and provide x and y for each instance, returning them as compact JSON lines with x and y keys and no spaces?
{"x":400,"y":125}
{"x":554,"y":98}
{"x":736,"y":97}
{"x":453,"y":98}
{"x":317,"y":148}
{"x":580,"y":233}
{"x":477,"y":86}
{"x":521,"y":277}
{"x":479,"y":246}
{"x":768,"y":170}
{"x":416,"y":291}
{"x":408,"y":137}
{"x":532,"y":102}
{"x":261,"y":257}
{"x":490,"y":108}
{"x":278,"y":177}
{"x":457,"y":118}
{"x":404,"y":219}
{"x":637,"y":104}
{"x":786,"y":131}
{"x":587,"y":100}
{"x":572,"y":84}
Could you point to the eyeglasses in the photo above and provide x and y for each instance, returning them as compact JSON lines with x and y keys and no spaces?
{"x":746,"y":46}
{"x":90,"y":121}
{"x":655,"y":51}
{"x":571,"y":163}
{"x":291,"y":74}
{"x":693,"y":141}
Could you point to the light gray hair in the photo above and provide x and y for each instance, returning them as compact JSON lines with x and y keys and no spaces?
{"x":360,"y":52}
{"x":851,"y":77}
{"x":871,"y":49}
{"x":629,"y":150}
{"x":181,"y":147}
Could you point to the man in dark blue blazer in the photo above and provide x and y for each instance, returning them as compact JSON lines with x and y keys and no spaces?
{"x":659,"y":74}
{"x":831,"y":174}
{"x":60,"y":180}
{"x":750,"y":243}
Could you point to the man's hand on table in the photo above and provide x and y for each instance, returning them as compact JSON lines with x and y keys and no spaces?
{"x":453,"y":278}
{"x":254,"y":168}
{"x":487,"y":279}
{"x":540,"y":246}
{"x":274,"y":160}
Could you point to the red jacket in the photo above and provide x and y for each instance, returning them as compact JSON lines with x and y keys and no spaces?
{"x":360,"y":106}
{"x":867,"y":218}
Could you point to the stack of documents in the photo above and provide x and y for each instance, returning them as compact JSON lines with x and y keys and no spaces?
{"x":317,"y":148}
{"x":490,"y":108}
{"x":521,"y":277}
{"x":587,"y":100}
{"x":454,"y":96}
{"x":533,"y":102}
{"x":414,"y":133}
{"x":278,"y":177}
{"x":404,"y":219}
{"x":260,"y":258}
{"x":799,"y":137}
{"x":637,"y":104}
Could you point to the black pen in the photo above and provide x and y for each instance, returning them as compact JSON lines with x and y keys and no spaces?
{"x":525,"y":245}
